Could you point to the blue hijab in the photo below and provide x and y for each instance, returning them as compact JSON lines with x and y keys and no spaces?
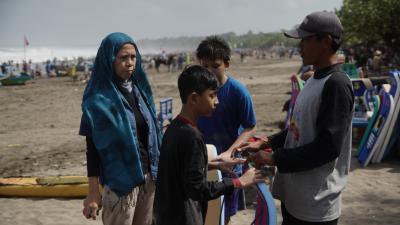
{"x":104,"y":110}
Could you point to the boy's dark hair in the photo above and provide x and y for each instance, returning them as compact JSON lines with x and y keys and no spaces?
{"x":195,"y":79}
{"x":213,"y":48}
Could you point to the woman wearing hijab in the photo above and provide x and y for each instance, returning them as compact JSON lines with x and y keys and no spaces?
{"x":122,"y":137}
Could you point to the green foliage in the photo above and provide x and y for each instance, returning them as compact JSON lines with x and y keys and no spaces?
{"x":371,"y":22}
{"x":263,"y":40}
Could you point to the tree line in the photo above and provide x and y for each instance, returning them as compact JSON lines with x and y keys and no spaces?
{"x":249,"y":40}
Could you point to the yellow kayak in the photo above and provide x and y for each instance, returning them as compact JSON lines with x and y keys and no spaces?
{"x":62,"y":186}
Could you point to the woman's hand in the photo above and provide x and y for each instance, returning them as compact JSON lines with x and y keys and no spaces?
{"x":92,"y":205}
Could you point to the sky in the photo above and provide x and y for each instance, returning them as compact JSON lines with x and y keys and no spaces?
{"x":87,"y":22}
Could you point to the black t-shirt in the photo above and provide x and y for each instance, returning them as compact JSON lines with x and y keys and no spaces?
{"x":182,"y":190}
{"x":141,"y":128}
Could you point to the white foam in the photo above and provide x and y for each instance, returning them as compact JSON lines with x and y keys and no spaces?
{"x":40,"y":54}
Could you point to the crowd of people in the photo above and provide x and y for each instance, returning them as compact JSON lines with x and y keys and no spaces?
{"x":371,"y":60}
{"x":154,"y":178}
{"x":77,"y":69}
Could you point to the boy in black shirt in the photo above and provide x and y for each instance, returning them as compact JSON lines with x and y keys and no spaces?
{"x":182,"y":189}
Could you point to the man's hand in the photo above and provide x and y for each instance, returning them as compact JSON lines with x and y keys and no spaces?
{"x":254,"y":146}
{"x":92,"y":205}
{"x":261,"y":158}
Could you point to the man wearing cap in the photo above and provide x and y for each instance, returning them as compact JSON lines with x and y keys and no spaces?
{"x":313,"y":154}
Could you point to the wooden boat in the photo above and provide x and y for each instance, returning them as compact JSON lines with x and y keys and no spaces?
{"x":62,"y":186}
{"x":16,"y":80}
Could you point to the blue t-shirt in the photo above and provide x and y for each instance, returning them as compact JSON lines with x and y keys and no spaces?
{"x":234,"y":113}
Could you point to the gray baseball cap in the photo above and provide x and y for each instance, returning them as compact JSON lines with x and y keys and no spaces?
{"x":318,"y":23}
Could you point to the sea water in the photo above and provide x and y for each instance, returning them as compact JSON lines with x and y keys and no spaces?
{"x":41,"y":53}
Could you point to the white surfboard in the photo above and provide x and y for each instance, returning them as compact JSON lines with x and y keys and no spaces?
{"x":379,"y":131}
{"x":395,"y":93}
{"x":385,"y":127}
{"x":215,"y":211}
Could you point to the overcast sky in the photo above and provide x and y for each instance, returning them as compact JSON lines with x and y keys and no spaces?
{"x":87,"y":22}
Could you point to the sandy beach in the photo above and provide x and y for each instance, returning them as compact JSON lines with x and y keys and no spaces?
{"x":39,"y":137}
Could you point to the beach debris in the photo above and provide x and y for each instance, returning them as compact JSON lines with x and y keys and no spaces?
{"x":14,"y":145}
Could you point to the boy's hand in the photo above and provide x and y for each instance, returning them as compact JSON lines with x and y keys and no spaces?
{"x":251,"y":176}
{"x":225,"y":162}
{"x":92,"y":205}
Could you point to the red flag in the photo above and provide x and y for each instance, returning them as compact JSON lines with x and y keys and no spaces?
{"x":26,"y":42}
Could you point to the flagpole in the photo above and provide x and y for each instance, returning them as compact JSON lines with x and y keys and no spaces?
{"x":24,"y":50}
{"x":26,"y":43}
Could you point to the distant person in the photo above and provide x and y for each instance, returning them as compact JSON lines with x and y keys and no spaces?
{"x":181,"y":60}
{"x":122,"y":136}
{"x":291,"y":52}
{"x":377,"y":61}
{"x":31,"y":71}
{"x":172,"y":63}
{"x":48,"y":68}
{"x":306,"y":71}
{"x":188,"y":58}
{"x":234,"y":120}
{"x":38,"y":70}
{"x":313,"y":154}
{"x":182,"y":190}
{"x":4,"y":68}
{"x":17,"y":69}
{"x":263,"y":54}
{"x":25,"y":67}
{"x":242,"y":55}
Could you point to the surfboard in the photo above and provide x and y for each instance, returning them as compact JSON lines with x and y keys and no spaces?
{"x":215,"y":213}
{"x":360,"y":87}
{"x":266,"y":210}
{"x":395,"y":93}
{"x":297,"y":85}
{"x":379,"y":130}
{"x":369,"y":97}
{"x":394,"y":143}
{"x":62,"y":186}
{"x":371,"y":122}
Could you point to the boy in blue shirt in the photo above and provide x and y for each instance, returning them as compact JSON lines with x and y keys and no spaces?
{"x":234,"y":120}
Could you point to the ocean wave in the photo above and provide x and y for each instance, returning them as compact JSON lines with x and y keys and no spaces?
{"x":41,"y":54}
